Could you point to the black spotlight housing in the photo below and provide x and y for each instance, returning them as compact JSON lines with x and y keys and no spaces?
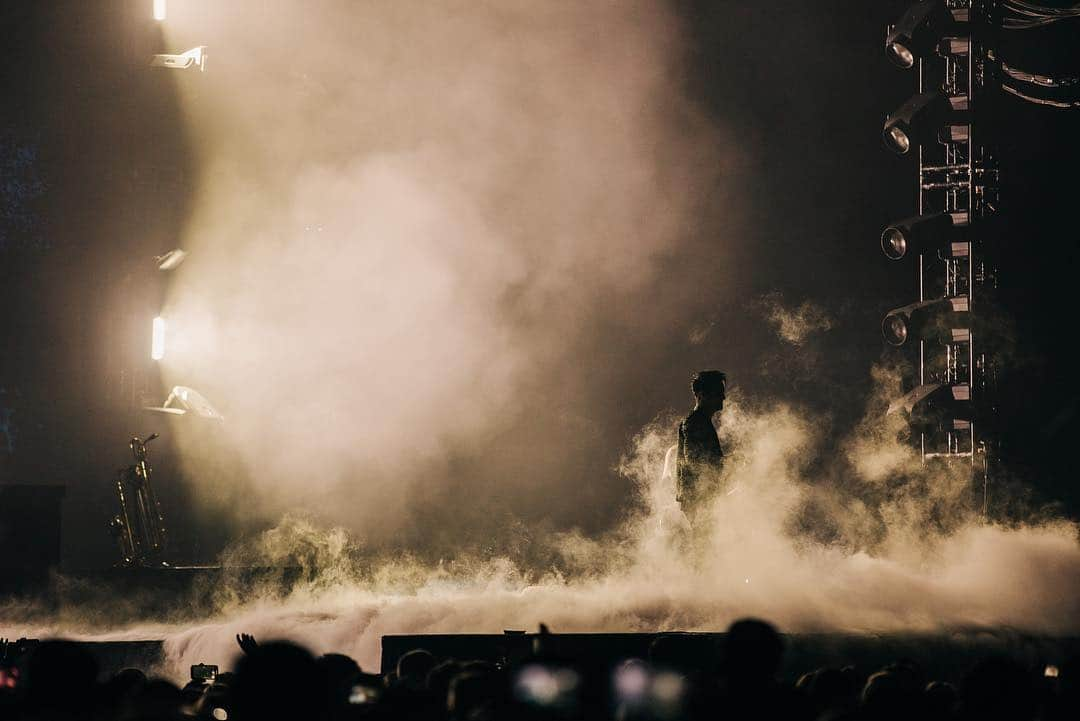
{"x":935,"y":404}
{"x":918,"y":32}
{"x":920,"y":234}
{"x":921,"y":119}
{"x":927,"y":318}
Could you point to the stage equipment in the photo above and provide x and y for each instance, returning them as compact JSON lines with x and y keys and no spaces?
{"x":918,"y":32}
{"x":1023,"y":15}
{"x":935,"y":406}
{"x":139,"y":528}
{"x":942,"y":318}
{"x":183,"y":400}
{"x":921,"y":234}
{"x":196,"y":57}
{"x":923,"y":118}
{"x":1061,"y":92}
{"x":942,"y":127}
{"x":171,"y":260}
{"x":933,"y":395}
{"x":157,"y":341}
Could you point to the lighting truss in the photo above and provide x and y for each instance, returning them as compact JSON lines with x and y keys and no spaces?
{"x":957,"y":182}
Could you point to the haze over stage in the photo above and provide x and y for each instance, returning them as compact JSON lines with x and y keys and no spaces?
{"x":422,"y":286}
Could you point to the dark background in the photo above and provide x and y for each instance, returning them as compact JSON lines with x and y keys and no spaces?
{"x":95,"y":179}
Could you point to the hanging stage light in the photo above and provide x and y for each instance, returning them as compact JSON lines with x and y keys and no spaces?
{"x":918,"y":32}
{"x":186,"y":401}
{"x":935,"y":404}
{"x":171,"y":260}
{"x":924,"y":118}
{"x":194,"y":58}
{"x":922,"y":233}
{"x":925,"y":318}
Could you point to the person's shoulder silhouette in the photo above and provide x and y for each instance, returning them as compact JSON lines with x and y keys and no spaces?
{"x":699,"y":451}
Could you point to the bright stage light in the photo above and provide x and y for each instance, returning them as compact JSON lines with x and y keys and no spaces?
{"x":157,"y":344}
{"x":196,"y":57}
{"x":900,"y":139}
{"x":941,"y":316}
{"x":922,"y":119}
{"x":920,"y":234}
{"x":183,"y":401}
{"x":918,"y":32}
{"x":900,"y":54}
{"x":170,"y":260}
{"x":894,"y":328}
{"x":893,"y":243}
{"x":159,"y":9}
{"x":934,"y":404}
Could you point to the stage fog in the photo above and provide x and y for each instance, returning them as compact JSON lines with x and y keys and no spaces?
{"x":442,"y":261}
{"x":450,"y":268}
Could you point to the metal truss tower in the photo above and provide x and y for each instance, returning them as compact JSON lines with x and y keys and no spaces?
{"x":952,"y":404}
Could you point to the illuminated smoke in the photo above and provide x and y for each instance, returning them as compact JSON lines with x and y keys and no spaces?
{"x":885,"y":568}
{"x":794,"y":325}
{"x":415,"y":229}
{"x":411,"y":227}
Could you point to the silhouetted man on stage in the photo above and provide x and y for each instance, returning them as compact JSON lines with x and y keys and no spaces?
{"x":699,"y":456}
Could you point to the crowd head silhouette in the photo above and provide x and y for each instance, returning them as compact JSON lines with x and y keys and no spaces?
{"x":684,"y":677}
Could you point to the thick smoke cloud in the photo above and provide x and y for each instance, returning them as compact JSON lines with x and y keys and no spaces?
{"x":427,"y":261}
{"x":438,"y":249}
{"x":794,"y":325}
{"x":884,"y":569}
{"x":911,"y":559}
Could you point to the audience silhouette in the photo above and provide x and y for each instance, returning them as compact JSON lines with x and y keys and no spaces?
{"x":685,"y":677}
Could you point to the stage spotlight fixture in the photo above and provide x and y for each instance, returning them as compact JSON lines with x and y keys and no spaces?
{"x":918,"y":32}
{"x":184,"y":401}
{"x":183,"y":61}
{"x":171,"y":260}
{"x":925,"y":117}
{"x":917,"y":319}
{"x":157,"y":344}
{"x":160,"y":9}
{"x":932,"y":402}
{"x":920,"y":233}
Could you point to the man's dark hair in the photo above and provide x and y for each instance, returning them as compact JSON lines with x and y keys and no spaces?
{"x":753,"y":651}
{"x":708,"y":383}
{"x":277,"y":680}
{"x":415,"y":665}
